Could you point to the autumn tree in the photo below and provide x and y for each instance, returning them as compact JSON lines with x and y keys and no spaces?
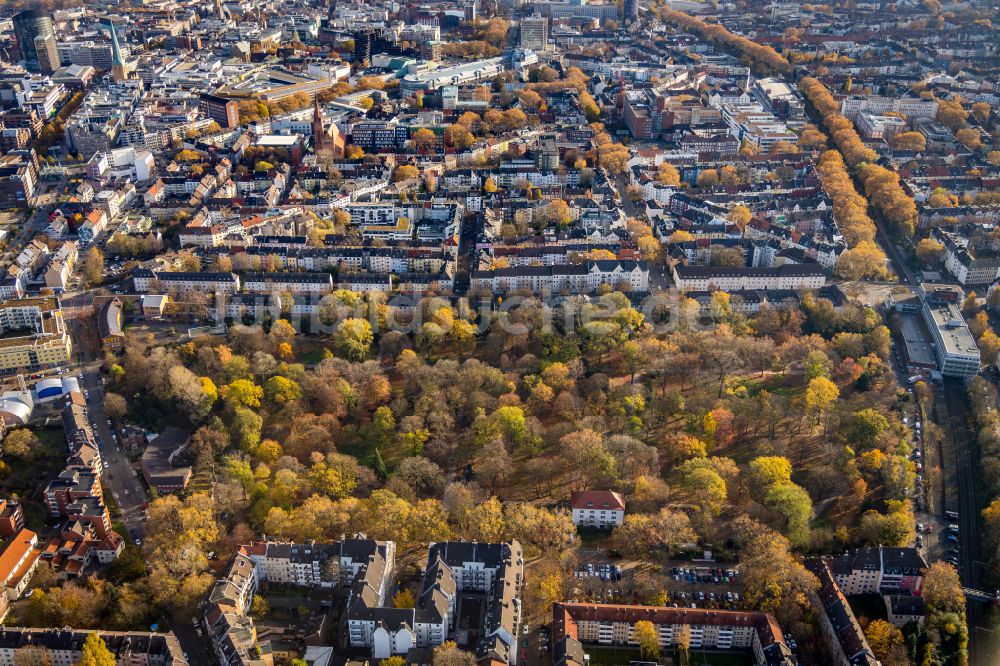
{"x":667,"y":174}
{"x":95,"y":652}
{"x":22,"y":443}
{"x":887,"y":642}
{"x":448,"y":654}
{"x":930,"y":251}
{"x":405,"y":172}
{"x":820,"y":396}
{"x":942,"y":589}
{"x":93,"y":266}
{"x":353,"y":338}
{"x":644,"y":633}
{"x":908,"y":141}
{"x":663,"y":533}
{"x":423,"y":138}
{"x":708,"y":178}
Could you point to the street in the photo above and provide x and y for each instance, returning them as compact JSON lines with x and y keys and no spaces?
{"x":120,"y":478}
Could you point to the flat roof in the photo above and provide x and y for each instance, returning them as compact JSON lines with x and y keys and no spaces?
{"x":278,"y":140}
{"x":952,"y":329}
{"x":917,"y":339}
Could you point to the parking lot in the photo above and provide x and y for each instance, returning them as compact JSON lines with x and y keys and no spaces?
{"x":677,"y":583}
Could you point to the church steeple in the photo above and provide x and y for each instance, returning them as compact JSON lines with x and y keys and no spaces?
{"x":119,"y":70}
{"x":320,"y":139}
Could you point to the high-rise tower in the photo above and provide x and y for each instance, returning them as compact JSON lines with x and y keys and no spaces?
{"x":36,"y":40}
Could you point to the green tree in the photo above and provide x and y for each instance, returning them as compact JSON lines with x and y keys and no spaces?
{"x":380,"y":468}
{"x":793,"y":502}
{"x":246,"y":428}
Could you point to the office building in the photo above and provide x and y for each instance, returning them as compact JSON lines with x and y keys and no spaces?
{"x":534,"y":33}
{"x":957,"y":353}
{"x":630,"y":9}
{"x":224,"y":111}
{"x":36,"y":41}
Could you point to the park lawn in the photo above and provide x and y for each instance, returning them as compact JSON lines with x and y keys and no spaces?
{"x":392,"y":454}
{"x":311,"y":353}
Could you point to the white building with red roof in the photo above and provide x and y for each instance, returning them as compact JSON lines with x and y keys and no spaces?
{"x":598,"y":508}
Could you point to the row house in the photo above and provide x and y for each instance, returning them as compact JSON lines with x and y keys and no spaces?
{"x":631,"y":276}
{"x":65,"y":646}
{"x":226,"y":283}
{"x":845,"y":639}
{"x":296,"y":283}
{"x":724,"y":278}
{"x":614,"y":624}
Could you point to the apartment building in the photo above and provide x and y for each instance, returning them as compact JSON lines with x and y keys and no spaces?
{"x":845,"y":640}
{"x":302,"y":565}
{"x":875,"y":126}
{"x":128,"y":162}
{"x":910,"y":107}
{"x":296,"y":283}
{"x":225,"y":283}
{"x":65,"y":646}
{"x":230,"y":628}
{"x":35,"y":336}
{"x":454,"y":568}
{"x":18,"y":560}
{"x":628,"y":275}
{"x":968,"y":265}
{"x":534,"y":33}
{"x":614,"y":624}
{"x":18,"y":181}
{"x":98,"y":55}
{"x":757,"y":127}
{"x":60,"y":267}
{"x":597,"y":508}
{"x":879,"y":570}
{"x":72,"y":484}
{"x":724,"y":278}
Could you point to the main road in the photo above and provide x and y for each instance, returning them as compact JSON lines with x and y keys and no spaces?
{"x":121,"y":475}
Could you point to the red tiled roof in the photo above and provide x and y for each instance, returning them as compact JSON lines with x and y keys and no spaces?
{"x":605,"y":499}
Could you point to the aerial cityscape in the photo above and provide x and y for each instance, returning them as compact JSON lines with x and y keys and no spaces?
{"x":499,"y":333}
